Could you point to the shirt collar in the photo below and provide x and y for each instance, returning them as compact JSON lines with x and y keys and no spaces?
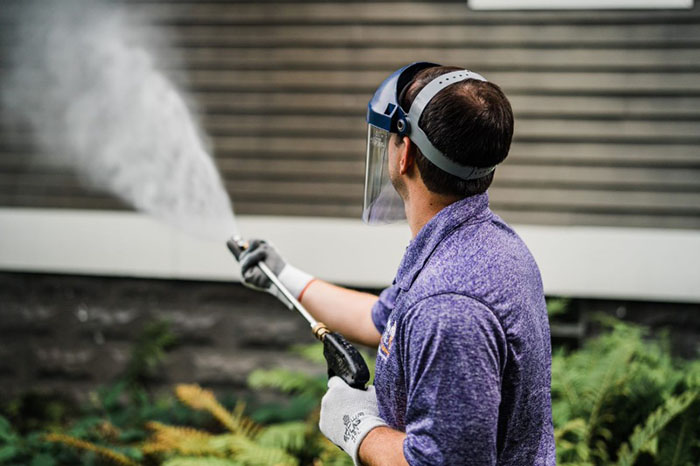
{"x":473,"y":209}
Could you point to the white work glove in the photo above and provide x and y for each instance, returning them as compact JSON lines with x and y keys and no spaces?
{"x":347,"y":415}
{"x":292,"y":278}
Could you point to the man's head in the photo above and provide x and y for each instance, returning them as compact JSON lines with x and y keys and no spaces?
{"x":435,"y":134}
{"x":471,"y":122}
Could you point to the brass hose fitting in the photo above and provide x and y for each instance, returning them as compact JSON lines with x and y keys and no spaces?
{"x":320,"y":330}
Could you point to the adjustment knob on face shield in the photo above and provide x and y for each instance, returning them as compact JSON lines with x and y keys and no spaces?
{"x":402,"y":126}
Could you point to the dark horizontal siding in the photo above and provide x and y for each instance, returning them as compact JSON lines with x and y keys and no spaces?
{"x":607,"y":105}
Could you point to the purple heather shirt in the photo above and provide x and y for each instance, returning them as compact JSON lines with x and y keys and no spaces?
{"x":464,"y":360}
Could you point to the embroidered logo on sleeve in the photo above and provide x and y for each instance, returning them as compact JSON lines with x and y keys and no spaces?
{"x":387,"y":339}
{"x":352,"y":426}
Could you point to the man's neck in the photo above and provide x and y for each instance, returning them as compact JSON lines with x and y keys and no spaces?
{"x":422,"y":206}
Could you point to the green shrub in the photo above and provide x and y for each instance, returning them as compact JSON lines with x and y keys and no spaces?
{"x":621,"y":399}
{"x":618,"y":400}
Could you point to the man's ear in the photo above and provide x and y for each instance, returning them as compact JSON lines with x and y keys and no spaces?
{"x":407,"y":156}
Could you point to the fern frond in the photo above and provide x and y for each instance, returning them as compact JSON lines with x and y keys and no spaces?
{"x":692,"y":377}
{"x":558,"y":306}
{"x":312,"y":352}
{"x":108,"y":431}
{"x":106,"y":453}
{"x":176,"y":432}
{"x":185,"y":440}
{"x":251,"y":453}
{"x":290,"y":436}
{"x":569,"y":441}
{"x":246,"y":426}
{"x":655,"y":423}
{"x":200,"y":399}
{"x":680,"y":443}
{"x":331,"y":455}
{"x":287,"y":381}
{"x":611,"y":380}
{"x":202,"y":461}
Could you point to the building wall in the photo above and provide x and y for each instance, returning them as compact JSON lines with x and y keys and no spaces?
{"x":607,"y":105}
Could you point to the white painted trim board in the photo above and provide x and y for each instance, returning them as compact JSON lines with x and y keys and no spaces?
{"x":578,"y":4}
{"x":600,"y":262}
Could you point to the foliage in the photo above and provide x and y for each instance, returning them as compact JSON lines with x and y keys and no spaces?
{"x":148,"y":351}
{"x":34,"y":429}
{"x":618,"y":400}
{"x":243,"y":442}
{"x":621,"y":399}
{"x":108,"y":454}
{"x":558,"y":306}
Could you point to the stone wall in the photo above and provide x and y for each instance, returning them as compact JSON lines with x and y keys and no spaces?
{"x":71,"y":333}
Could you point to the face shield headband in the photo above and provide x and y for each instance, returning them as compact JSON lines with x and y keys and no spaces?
{"x":382,"y":204}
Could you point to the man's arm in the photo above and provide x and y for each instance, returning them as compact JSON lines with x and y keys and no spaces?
{"x":382,"y":446}
{"x":343,"y":310}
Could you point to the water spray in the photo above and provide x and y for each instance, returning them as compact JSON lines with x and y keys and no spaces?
{"x":85,"y":81}
{"x":342,"y":358}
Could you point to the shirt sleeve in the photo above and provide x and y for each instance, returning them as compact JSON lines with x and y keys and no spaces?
{"x":454,"y":352}
{"x":383,"y":307}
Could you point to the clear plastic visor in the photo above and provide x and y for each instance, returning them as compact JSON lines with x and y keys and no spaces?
{"x":382,"y":204}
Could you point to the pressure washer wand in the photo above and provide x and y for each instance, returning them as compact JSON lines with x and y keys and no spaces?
{"x":342,"y":358}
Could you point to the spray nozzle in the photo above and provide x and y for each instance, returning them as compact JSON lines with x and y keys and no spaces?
{"x":237,"y":245}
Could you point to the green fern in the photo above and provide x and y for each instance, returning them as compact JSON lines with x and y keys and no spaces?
{"x":569,"y":439}
{"x":614,"y":400}
{"x":252,"y":453}
{"x":313,"y":353}
{"x":149,"y":351}
{"x":331,"y":455}
{"x":108,"y":454}
{"x":558,"y":306}
{"x":614,"y":376}
{"x":642,"y":437}
{"x":679,"y":446}
{"x":602,"y":392}
{"x":289,"y":436}
{"x":186,"y":441}
{"x":288,"y":381}
{"x":201,"y":461}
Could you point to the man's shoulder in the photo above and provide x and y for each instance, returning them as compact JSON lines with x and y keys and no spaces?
{"x":482,"y":244}
{"x":476,"y":256}
{"x":488,"y":263}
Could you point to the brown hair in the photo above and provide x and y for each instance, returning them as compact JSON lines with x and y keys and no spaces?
{"x":471,"y":122}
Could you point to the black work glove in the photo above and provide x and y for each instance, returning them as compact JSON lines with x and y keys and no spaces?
{"x":253,"y":277}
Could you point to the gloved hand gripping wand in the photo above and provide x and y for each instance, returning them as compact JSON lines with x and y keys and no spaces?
{"x":342,"y":358}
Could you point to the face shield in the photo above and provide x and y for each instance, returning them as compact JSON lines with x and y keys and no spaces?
{"x":382,"y":204}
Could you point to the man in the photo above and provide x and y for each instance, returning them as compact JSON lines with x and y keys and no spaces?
{"x":463,"y":365}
